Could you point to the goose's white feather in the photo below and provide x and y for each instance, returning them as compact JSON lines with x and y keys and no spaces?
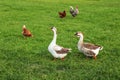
{"x":57,"y":47}
{"x":53,"y":47}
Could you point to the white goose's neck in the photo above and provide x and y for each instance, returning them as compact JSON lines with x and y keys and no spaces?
{"x":54,"y":38}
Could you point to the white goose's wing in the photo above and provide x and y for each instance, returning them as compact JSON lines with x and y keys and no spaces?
{"x":61,"y":50}
{"x":57,"y":47}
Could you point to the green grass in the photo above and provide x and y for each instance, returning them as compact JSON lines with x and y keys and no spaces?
{"x":28,"y":58}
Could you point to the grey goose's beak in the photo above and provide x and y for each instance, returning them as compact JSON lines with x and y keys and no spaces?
{"x":76,"y":34}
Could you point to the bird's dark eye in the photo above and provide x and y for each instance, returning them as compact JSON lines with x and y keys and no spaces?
{"x":51,"y":27}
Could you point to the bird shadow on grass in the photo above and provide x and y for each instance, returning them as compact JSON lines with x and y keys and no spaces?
{"x":21,"y":37}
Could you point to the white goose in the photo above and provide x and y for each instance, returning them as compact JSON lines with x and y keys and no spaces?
{"x":56,"y":50}
{"x":87,"y":48}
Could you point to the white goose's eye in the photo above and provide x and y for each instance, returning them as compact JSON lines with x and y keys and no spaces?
{"x":51,"y":27}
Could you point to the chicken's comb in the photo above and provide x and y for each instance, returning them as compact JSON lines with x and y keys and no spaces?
{"x":24,"y":26}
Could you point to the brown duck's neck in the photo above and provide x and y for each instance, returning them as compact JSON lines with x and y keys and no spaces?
{"x":80,"y":40}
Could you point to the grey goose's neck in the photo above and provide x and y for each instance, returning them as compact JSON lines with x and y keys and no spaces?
{"x":80,"y":40}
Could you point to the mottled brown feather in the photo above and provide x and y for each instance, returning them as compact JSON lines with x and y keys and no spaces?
{"x":90,"y":46}
{"x":91,"y":53}
{"x":62,"y":51}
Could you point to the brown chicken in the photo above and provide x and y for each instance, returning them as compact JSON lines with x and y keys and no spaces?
{"x":62,"y":14}
{"x":26,"y":32}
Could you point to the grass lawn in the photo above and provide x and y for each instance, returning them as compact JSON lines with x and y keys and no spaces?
{"x":28,"y":58}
